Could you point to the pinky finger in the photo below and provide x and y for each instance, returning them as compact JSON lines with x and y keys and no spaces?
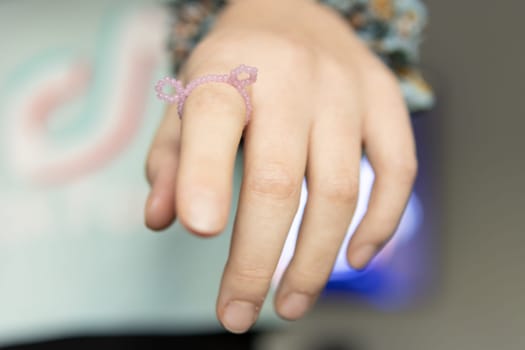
{"x":389,"y":197}
{"x":390,"y":147}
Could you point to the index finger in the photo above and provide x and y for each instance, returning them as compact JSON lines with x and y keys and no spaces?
{"x":212,"y":124}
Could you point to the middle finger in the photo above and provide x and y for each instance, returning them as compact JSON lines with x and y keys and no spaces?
{"x":274,"y":164}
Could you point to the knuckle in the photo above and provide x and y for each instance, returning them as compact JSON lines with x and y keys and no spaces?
{"x":254,"y":275}
{"x":295,"y":50}
{"x":341,"y":188}
{"x":382,"y":237}
{"x":159,"y":156}
{"x":308,"y":281}
{"x":404,"y":170}
{"x":381,"y":75}
{"x":380,"y":78}
{"x":214,"y":95}
{"x":272,"y":180}
{"x":382,"y":229}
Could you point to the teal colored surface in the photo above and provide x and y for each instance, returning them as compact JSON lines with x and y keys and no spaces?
{"x":76,"y":258}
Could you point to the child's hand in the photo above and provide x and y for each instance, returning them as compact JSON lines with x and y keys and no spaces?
{"x":321,"y":98}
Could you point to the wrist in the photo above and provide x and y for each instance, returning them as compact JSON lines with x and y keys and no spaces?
{"x":300,"y":20}
{"x":260,"y":13}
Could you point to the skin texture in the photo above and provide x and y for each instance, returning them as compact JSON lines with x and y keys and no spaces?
{"x":321,"y":100}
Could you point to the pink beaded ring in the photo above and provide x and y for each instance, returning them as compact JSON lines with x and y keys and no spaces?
{"x":182,"y":93}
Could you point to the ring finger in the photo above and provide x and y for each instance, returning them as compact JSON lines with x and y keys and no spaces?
{"x":332,"y":181}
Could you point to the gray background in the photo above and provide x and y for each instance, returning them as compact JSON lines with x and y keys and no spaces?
{"x":473,"y":56}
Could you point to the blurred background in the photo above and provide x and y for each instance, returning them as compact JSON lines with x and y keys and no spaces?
{"x":473,"y":56}
{"x":76,"y":116}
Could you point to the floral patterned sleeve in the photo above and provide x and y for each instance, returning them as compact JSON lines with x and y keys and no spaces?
{"x":391,"y":28}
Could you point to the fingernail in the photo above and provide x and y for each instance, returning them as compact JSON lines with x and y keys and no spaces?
{"x":295,"y":306}
{"x":204,"y":212}
{"x":239,"y":316}
{"x":361,"y":258}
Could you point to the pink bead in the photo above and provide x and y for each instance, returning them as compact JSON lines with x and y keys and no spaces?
{"x":182,"y":93}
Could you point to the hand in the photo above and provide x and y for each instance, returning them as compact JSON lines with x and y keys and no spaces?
{"x":321,"y":99}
